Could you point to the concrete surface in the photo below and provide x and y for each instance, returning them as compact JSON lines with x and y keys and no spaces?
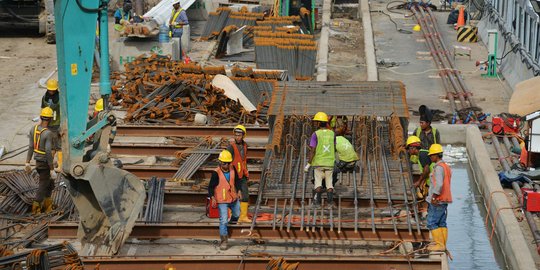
{"x":322,"y":51}
{"x":507,"y":229}
{"x":369,"y":44}
{"x":406,"y":58}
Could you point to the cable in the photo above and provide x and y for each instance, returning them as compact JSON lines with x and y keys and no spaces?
{"x":403,"y":31}
{"x":14,"y":155}
{"x":403,"y":73}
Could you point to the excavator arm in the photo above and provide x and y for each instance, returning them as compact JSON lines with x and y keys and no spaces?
{"x":108,"y":199}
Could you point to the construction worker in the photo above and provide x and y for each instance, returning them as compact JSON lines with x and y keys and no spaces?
{"x":238,"y":149}
{"x":41,"y":147}
{"x":346,"y":162}
{"x":176,"y":23}
{"x":94,"y":139}
{"x":123,"y":16}
{"x":51,"y":99}
{"x":322,"y":157}
{"x":428,"y":135}
{"x":424,"y":165}
{"x":222,"y":190}
{"x":439,"y":196}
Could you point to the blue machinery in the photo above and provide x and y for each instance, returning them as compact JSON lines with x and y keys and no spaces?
{"x":108,"y":199}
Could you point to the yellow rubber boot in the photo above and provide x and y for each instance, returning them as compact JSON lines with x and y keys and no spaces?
{"x":36,"y":208}
{"x":59,"y":157}
{"x":243,"y":213}
{"x":47,"y":205}
{"x":445,"y":236}
{"x":438,"y":240}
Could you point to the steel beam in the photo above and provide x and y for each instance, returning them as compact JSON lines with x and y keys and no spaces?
{"x":206,"y":230}
{"x":254,"y":263}
{"x":186,"y":131}
{"x":159,"y":149}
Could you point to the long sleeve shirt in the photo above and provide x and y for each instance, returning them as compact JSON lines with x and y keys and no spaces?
{"x":45,"y":144}
{"x":438,"y":172}
{"x":214,"y":182}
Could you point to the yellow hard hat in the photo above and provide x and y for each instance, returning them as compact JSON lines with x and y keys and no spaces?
{"x":240,"y":128}
{"x":225,"y":156}
{"x":435,"y":149}
{"x":417,"y":28}
{"x":46,"y":112}
{"x":320,"y":116}
{"x":52,"y":85}
{"x":412,"y":139}
{"x":99,"y":105}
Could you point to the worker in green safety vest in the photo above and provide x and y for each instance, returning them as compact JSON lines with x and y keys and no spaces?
{"x":346,"y":155}
{"x":425,"y":166}
{"x":428,"y":135}
{"x":322,"y":157}
{"x":123,"y":16}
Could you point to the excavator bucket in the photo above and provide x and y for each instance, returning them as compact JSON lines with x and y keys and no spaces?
{"x":109,"y":202}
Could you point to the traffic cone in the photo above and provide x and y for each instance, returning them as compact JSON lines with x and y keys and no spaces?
{"x":461,"y":18}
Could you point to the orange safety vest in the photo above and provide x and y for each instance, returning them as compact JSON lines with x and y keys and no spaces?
{"x":37,"y":139}
{"x":225,"y":192}
{"x":240,"y":163}
{"x":446,"y":194}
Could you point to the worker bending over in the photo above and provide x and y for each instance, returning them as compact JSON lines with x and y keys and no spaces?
{"x":41,"y":147}
{"x":176,"y":23}
{"x":428,"y":135}
{"x":322,"y":157}
{"x":424,"y":165}
{"x":51,"y":99}
{"x":439,"y":196}
{"x":347,"y":158}
{"x":238,"y":149}
{"x":223,"y":190}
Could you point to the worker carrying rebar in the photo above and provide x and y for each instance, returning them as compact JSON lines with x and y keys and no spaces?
{"x":176,"y":24}
{"x":321,"y":158}
{"x":224,"y":191}
{"x":346,"y":155}
{"x":238,"y":149}
{"x":51,"y":99}
{"x":439,"y":196}
{"x":424,"y":165}
{"x":123,"y":16}
{"x":428,"y":135}
{"x":41,"y":140}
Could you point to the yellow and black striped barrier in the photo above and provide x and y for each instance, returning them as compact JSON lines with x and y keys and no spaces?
{"x":467,"y":34}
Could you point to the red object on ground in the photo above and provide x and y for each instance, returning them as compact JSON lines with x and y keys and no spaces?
{"x":211,"y":212}
{"x":531,"y":200}
{"x":510,"y":126}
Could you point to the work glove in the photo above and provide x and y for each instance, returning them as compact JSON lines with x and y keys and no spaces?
{"x":27,"y":168}
{"x":213,"y":202}
{"x":306,"y":169}
{"x":54,"y":175}
{"x":57,"y":170}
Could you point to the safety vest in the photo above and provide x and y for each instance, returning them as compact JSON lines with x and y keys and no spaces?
{"x":239,"y":162}
{"x":431,"y":165}
{"x":446,"y":193}
{"x":225,"y":191}
{"x":433,"y":131}
{"x":37,"y":139}
{"x":345,"y":150}
{"x":174,"y":16}
{"x":325,"y":151}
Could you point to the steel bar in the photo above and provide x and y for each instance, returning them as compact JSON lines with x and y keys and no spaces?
{"x":186,"y":131}
{"x":384,"y":163}
{"x":146,"y":149}
{"x":204,"y":172}
{"x":68,"y":230}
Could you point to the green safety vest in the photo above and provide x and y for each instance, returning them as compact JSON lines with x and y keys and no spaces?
{"x":325,"y":151}
{"x":433,"y":131}
{"x":431,"y":165}
{"x":345,"y":150}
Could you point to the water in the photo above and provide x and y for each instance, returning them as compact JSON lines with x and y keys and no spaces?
{"x":468,"y":238}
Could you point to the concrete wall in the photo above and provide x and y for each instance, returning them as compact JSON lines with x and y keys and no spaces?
{"x":450,"y":134}
{"x":511,"y":67}
{"x":123,"y":50}
{"x":507,"y":229}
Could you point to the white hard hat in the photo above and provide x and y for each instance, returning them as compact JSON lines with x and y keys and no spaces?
{"x":175,"y":2}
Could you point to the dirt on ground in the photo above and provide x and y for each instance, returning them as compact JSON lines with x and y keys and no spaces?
{"x":346,"y":61}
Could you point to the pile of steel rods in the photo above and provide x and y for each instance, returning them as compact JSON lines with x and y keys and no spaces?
{"x":63,"y":202}
{"x":452,"y":80}
{"x":50,"y":257}
{"x":19,"y":189}
{"x":195,"y":159}
{"x":154,"y":206}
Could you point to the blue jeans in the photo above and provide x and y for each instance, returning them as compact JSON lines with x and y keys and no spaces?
{"x":436,"y":216}
{"x":224,"y":215}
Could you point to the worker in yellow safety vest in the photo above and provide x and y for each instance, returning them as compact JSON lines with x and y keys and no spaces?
{"x":425,"y":166}
{"x":346,"y":162}
{"x":176,"y":23}
{"x":428,"y":135}
{"x":224,"y":191}
{"x":41,"y":147}
{"x":439,"y":196}
{"x":322,"y":157}
{"x":51,"y":99}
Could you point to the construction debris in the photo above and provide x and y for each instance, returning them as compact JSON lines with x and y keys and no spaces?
{"x":19,"y":189}
{"x":61,"y":255}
